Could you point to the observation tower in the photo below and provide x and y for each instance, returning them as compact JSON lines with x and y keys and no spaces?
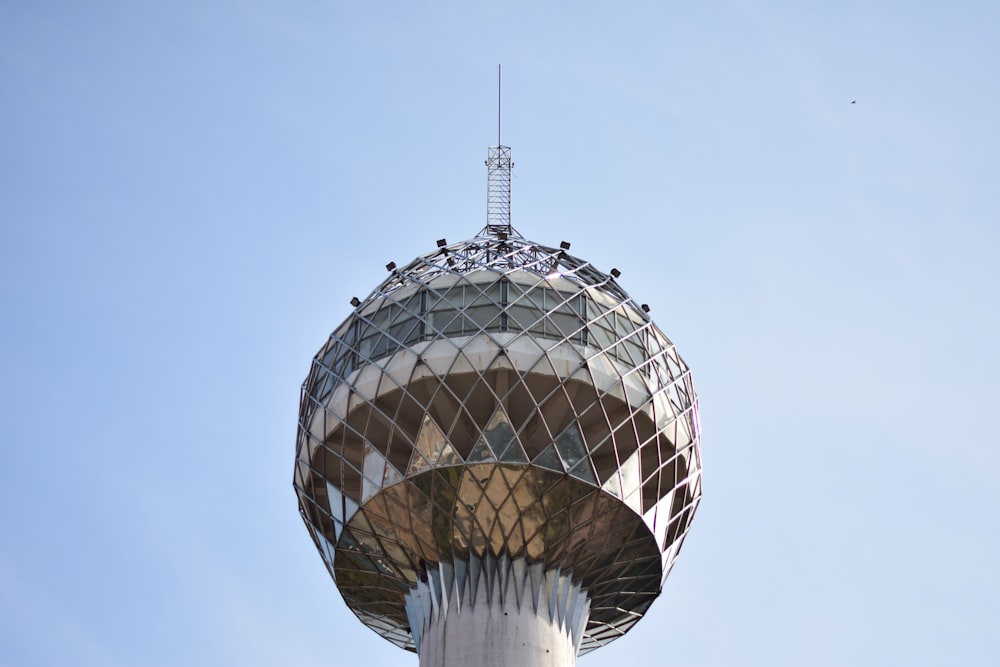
{"x":498,"y":451}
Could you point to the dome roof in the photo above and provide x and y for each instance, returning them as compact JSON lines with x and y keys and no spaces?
{"x":500,"y":252}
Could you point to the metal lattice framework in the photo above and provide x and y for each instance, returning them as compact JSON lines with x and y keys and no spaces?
{"x":498,"y":173}
{"x":498,"y":401}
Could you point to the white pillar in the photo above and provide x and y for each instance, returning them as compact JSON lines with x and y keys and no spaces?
{"x":496,"y":613}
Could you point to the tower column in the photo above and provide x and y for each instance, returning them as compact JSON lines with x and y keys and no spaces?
{"x":497,"y":612}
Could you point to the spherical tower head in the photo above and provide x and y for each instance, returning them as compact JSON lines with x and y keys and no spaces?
{"x":493,"y":402}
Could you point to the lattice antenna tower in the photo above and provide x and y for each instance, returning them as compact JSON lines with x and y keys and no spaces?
{"x":498,"y":172}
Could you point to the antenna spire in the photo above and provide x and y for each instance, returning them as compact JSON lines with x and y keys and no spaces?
{"x":499,"y":100}
{"x":498,"y":169}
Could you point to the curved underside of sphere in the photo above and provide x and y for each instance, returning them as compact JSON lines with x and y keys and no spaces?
{"x":471,"y":512}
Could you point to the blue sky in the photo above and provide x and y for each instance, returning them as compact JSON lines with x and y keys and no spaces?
{"x":191,"y":193}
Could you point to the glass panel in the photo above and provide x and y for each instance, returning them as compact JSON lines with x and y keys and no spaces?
{"x":395,"y":313}
{"x":329,"y":356}
{"x":523,"y":317}
{"x":549,"y":459}
{"x":454,"y":297}
{"x":630,"y":482}
{"x":322,"y":384}
{"x":338,"y":528}
{"x":432,"y":301}
{"x":404,"y":330}
{"x":481,"y":452}
{"x":350,"y":508}
{"x":392,"y":476}
{"x":613,"y":485}
{"x":336,"y":502}
{"x":486,"y":317}
{"x":381,"y":318}
{"x":412,"y":303}
{"x":374,"y":471}
{"x":455,"y":327}
{"x":326,"y":548}
{"x":379,"y":346}
{"x":481,"y":296}
{"x":344,"y":363}
{"x":430,"y":442}
{"x":601,"y":333}
{"x":564,"y":324}
{"x":449,"y":456}
{"x":570,"y":446}
{"x":351,"y":333}
{"x":365,"y":346}
{"x":514,"y":453}
{"x":585,"y":471}
{"x":623,"y":325}
{"x":499,"y":433}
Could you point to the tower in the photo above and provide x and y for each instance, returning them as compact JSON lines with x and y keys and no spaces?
{"x":498,"y":451}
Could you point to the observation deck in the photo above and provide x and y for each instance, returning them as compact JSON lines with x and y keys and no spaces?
{"x":498,"y":425}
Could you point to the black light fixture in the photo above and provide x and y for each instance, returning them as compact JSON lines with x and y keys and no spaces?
{"x":390,"y":266}
{"x":442,"y":243}
{"x":616,"y":273}
{"x":645,"y":307}
{"x":355,"y":301}
{"x":564,"y":245}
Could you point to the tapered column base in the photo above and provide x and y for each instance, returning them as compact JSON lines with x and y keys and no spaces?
{"x":495,"y":613}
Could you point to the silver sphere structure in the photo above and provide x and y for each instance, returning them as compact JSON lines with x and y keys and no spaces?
{"x":498,"y":427}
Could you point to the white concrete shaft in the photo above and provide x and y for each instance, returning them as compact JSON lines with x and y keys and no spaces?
{"x":493,"y":612}
{"x":494,"y":635}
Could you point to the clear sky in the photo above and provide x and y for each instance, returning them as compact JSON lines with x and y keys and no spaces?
{"x":192,"y":191}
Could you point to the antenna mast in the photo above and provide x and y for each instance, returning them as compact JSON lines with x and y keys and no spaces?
{"x":498,"y":169}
